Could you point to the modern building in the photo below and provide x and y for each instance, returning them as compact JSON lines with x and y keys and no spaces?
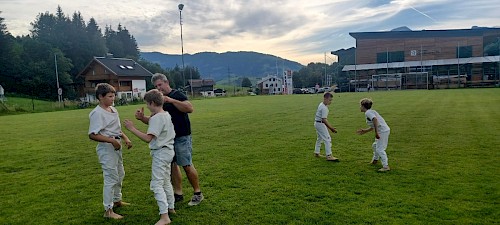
{"x":428,"y":58}
{"x":125,"y":75}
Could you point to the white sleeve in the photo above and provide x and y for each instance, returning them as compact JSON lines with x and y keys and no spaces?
{"x":155,"y":126}
{"x":96,"y":122}
{"x":370,"y":115}
{"x":324,"y":112}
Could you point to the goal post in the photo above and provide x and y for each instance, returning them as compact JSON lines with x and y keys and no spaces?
{"x":400,"y":81}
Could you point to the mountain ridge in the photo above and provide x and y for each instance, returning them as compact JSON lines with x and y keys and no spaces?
{"x":218,"y":65}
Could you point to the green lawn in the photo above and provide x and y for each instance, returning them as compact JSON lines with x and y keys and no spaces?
{"x":254,"y":156}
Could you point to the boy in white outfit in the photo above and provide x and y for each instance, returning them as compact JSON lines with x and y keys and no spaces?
{"x":106,"y":129}
{"x":322,"y":126}
{"x":160,"y":136}
{"x":382,"y":131}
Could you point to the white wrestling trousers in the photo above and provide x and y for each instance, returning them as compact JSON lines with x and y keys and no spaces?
{"x":323,"y":136}
{"x":160,"y":179}
{"x":379,"y":146}
{"x":113,"y":173}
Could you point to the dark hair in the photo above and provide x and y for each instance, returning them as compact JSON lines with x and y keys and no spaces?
{"x":328,"y":95}
{"x":366,"y":102}
{"x":154,"y":96}
{"x":102,"y":89}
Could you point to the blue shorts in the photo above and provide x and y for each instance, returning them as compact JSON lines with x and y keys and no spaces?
{"x":183,"y":147}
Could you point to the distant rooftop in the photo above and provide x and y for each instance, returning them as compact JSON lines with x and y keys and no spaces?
{"x":405,"y":32}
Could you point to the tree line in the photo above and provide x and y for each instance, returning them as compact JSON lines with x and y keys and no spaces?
{"x":28,"y":63}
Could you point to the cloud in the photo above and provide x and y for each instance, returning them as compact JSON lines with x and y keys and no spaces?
{"x":299,"y":30}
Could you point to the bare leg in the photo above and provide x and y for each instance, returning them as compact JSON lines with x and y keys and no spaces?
{"x":176,"y":179}
{"x":192,"y":176}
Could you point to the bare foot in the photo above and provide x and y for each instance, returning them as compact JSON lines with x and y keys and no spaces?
{"x":164,"y":219}
{"x":120,"y":204}
{"x":113,"y":215}
{"x":171,"y":211}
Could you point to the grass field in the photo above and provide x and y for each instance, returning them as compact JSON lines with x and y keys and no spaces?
{"x":255,"y":161}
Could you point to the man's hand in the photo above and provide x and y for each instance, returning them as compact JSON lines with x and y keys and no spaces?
{"x":139,"y":113}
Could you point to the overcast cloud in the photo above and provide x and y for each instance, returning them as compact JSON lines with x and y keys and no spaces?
{"x":298,"y":30}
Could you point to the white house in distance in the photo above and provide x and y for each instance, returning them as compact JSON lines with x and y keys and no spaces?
{"x":270,"y":85}
{"x":125,"y":75}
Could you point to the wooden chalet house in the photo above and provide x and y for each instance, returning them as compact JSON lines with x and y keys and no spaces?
{"x":125,"y":75}
{"x":201,"y":87}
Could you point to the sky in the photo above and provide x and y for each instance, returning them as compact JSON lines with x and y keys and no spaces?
{"x":304,"y":31}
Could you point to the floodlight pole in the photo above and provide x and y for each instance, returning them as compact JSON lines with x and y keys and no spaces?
{"x":181,"y":6}
{"x":57,"y":80}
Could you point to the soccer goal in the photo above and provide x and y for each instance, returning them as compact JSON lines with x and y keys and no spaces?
{"x":400,"y":81}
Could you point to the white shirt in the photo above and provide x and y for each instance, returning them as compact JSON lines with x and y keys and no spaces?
{"x":382,"y":125}
{"x":322,"y":112}
{"x":105,"y":123}
{"x":161,"y":126}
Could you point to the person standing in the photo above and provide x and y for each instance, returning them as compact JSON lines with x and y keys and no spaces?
{"x":160,"y":136}
{"x":105,"y":128}
{"x":382,"y":131}
{"x":322,"y":126}
{"x":178,"y":106}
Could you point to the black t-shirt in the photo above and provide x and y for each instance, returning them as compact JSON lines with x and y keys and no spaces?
{"x":182,"y":125}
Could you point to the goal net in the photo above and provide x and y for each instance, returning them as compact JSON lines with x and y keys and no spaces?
{"x":400,"y":81}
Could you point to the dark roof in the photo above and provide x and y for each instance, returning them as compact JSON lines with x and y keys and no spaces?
{"x":424,"y":33}
{"x":201,"y":83}
{"x":120,"y":67}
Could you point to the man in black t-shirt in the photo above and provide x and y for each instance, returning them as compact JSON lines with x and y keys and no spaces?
{"x":178,"y":106}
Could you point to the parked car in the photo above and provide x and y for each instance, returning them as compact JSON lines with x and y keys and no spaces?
{"x":220,"y":92}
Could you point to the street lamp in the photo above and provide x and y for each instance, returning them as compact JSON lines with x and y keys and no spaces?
{"x":181,"y":6}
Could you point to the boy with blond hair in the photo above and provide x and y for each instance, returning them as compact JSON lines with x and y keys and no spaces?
{"x":105,"y":128}
{"x":160,"y":136}
{"x":382,"y":131}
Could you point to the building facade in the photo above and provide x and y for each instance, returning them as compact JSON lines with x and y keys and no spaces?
{"x":270,"y":85}
{"x":463,"y":57}
{"x":125,"y":75}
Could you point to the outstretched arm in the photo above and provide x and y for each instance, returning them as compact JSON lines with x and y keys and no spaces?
{"x":130,"y":126}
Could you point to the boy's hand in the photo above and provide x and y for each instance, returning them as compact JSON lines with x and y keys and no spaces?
{"x":360,"y":131}
{"x":129,"y":124}
{"x":128,"y":143}
{"x":377,"y":136}
{"x":334,"y":130}
{"x":116,"y":144}
{"x":139,"y":113}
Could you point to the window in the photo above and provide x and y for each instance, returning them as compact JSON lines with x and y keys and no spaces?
{"x":267,"y":85}
{"x":385,"y":57}
{"x":464,"y":52}
{"x":125,"y":83}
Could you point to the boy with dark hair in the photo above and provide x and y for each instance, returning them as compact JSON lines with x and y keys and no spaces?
{"x":105,"y":128}
{"x":382,"y":131}
{"x":322,"y":126}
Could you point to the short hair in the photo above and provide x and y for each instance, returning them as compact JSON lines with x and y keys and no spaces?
{"x":102,"y":89}
{"x":154,"y":96}
{"x":159,"y":76}
{"x":328,"y":95}
{"x":366,"y":102}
